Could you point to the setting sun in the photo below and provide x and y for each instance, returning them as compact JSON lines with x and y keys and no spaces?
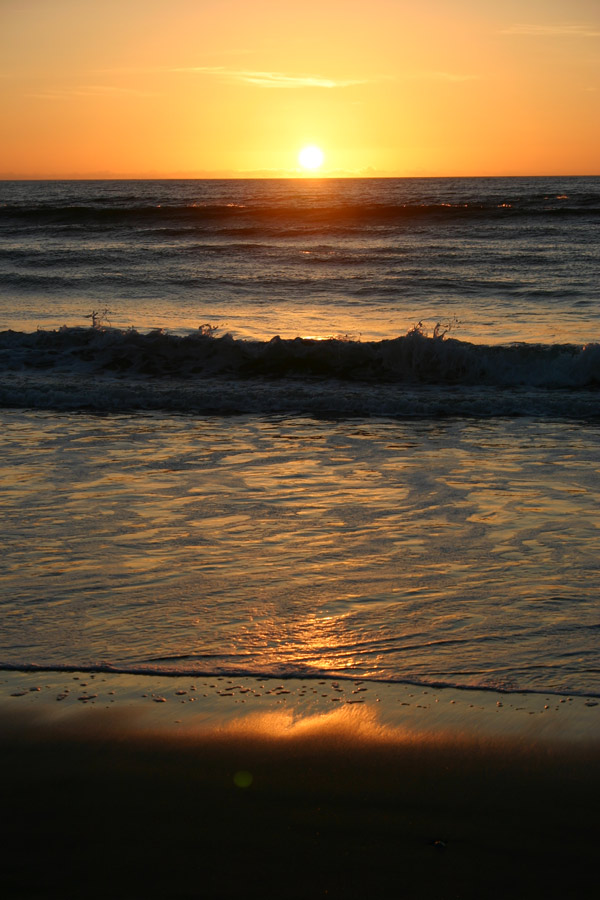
{"x":311,"y":157}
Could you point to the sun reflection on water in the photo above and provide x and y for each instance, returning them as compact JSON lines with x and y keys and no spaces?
{"x":316,"y":642}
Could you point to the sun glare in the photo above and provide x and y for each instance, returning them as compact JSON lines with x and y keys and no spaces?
{"x":311,"y":157}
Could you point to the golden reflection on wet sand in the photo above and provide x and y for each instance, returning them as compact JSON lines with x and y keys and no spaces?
{"x":456,"y":793}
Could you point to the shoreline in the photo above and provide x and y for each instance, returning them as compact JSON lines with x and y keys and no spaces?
{"x":160,"y":702}
{"x":145,"y":786}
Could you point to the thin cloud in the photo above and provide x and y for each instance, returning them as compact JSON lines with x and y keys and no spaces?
{"x":565,"y":30}
{"x":443,"y":76}
{"x":270,"y":79}
{"x":90,"y":90}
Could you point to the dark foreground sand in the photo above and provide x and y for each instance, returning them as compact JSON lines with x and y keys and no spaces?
{"x":143,"y":787}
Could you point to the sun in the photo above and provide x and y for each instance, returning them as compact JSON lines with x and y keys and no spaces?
{"x":311,"y":157}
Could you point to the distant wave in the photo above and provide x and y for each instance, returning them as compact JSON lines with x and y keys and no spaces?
{"x":285,"y":216}
{"x":414,"y":374}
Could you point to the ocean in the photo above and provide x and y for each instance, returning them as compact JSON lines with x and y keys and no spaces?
{"x":318,"y":428}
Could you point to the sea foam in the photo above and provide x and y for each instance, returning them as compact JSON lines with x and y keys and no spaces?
{"x":414,"y":374}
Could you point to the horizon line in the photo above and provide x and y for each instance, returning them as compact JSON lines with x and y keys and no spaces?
{"x":274,"y":177}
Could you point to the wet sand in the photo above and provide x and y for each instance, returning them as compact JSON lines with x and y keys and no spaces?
{"x":140,"y":786}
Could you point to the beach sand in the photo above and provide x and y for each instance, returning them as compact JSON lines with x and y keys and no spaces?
{"x":122,"y":786}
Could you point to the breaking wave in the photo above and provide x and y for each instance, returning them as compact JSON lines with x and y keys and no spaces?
{"x":412,"y":358}
{"x":413,"y":374}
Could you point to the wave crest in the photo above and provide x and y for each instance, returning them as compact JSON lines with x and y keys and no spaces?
{"x":413,"y":358}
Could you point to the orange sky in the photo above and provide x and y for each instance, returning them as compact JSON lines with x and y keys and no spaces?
{"x":184,"y":88}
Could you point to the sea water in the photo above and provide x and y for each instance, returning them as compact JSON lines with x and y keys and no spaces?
{"x":303,"y":427}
